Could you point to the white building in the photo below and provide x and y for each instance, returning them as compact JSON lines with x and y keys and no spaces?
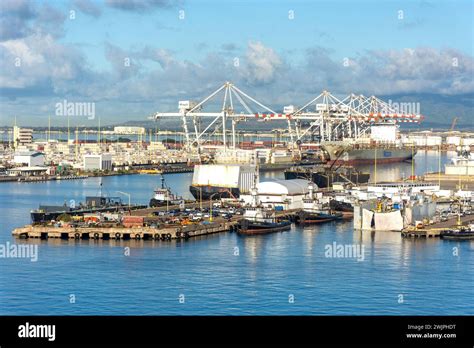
{"x":129,"y":130}
{"x":98,"y":162}
{"x":285,"y":194}
{"x":29,"y":158}
{"x":22,"y":136}
{"x":27,"y":171}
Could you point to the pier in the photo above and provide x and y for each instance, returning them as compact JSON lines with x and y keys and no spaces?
{"x":163,"y":232}
{"x":118,"y":233}
{"x":435,"y":229}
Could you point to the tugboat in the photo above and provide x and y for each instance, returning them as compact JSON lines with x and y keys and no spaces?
{"x":164,"y":197}
{"x":315,"y":212}
{"x":260,"y":221}
{"x":458,"y":233}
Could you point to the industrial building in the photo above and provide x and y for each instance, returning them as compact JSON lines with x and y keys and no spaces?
{"x":98,"y":162}
{"x":27,"y":171}
{"x":29,"y":158}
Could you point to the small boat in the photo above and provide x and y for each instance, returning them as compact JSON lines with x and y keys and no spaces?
{"x":341,"y":206}
{"x":163,"y":196}
{"x":458,"y":233}
{"x":260,"y":221}
{"x":317,"y":217}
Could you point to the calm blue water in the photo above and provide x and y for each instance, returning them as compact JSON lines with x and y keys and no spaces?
{"x":259,"y":280}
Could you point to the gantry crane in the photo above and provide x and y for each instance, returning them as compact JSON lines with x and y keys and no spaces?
{"x":325,"y":116}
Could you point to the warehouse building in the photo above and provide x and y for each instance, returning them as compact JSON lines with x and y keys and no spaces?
{"x":29,"y":158}
{"x":98,"y":162}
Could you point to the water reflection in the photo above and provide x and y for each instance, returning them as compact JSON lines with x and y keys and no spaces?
{"x":425,"y":161}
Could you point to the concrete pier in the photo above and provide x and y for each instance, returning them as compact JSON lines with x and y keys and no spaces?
{"x":137,"y":233}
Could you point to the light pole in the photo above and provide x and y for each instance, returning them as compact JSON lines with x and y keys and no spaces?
{"x":210,"y":206}
{"x":126,"y":194}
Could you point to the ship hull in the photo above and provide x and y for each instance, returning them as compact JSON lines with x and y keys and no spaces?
{"x":343,"y":207}
{"x":360,"y":156}
{"x":216,"y":192}
{"x":157,"y":203}
{"x":256,"y":228}
{"x":323,"y":179}
{"x":457,"y":235}
{"x":308,"y":218}
{"x":39,"y":217}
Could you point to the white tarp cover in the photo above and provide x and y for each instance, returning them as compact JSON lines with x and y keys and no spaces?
{"x":392,"y":221}
{"x":367,"y":216}
{"x":357,"y":217}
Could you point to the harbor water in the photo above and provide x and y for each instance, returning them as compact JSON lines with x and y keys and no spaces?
{"x":288,"y":273}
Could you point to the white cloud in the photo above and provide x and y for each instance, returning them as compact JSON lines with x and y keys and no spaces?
{"x":262,"y":64}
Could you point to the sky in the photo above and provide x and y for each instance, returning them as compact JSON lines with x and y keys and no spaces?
{"x":132,"y":58}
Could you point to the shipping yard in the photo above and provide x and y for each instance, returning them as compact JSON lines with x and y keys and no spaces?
{"x":171,"y":166}
{"x":320,"y":152}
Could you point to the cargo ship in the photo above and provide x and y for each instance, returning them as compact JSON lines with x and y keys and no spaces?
{"x":267,"y":159}
{"x":383,"y":144}
{"x":216,"y":181}
{"x":325,"y":175}
{"x":359,"y":154}
{"x":93,"y":204}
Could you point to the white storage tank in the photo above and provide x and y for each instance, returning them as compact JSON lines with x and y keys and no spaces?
{"x":433,"y":140}
{"x":418,"y":140}
{"x":468,"y":141}
{"x":453,"y":140}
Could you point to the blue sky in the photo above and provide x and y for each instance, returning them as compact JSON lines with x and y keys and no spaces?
{"x":281,"y":60}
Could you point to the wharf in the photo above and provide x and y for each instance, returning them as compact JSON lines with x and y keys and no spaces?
{"x":434,"y":230}
{"x":137,"y":233}
{"x":165,"y":233}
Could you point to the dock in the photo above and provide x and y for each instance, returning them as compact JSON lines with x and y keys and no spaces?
{"x":117,"y":232}
{"x":124,"y":233}
{"x":435,"y":229}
